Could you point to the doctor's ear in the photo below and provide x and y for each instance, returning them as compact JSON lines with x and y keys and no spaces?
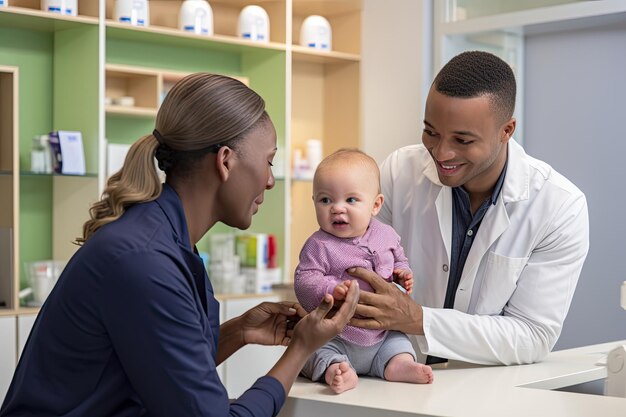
{"x":507,"y":130}
{"x":225,"y":161}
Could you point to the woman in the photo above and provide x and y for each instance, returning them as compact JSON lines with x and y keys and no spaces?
{"x":131,"y":328}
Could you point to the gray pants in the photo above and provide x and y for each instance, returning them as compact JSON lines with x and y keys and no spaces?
{"x":365,"y":360}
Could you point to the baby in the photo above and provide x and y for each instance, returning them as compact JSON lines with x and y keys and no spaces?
{"x":346,"y":194}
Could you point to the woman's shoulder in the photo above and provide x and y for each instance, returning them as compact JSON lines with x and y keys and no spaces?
{"x":141,"y":227}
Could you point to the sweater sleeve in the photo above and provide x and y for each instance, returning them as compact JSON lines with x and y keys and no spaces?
{"x":312,"y":278}
{"x":400,"y":261}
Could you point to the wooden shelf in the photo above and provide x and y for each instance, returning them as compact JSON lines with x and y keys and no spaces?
{"x":32,"y":19}
{"x":56,"y":174}
{"x":4,"y":311}
{"x":175,"y":37}
{"x":304,"y":54}
{"x":28,"y":310}
{"x":131,"y":111}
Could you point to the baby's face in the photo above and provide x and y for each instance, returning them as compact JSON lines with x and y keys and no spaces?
{"x":345,"y":200}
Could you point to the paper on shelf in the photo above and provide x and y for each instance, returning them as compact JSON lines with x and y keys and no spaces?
{"x":72,"y":152}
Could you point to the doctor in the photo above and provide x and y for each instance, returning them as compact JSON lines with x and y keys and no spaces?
{"x":496,"y":238}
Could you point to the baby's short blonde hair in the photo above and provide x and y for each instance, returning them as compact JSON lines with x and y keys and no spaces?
{"x":351,"y":158}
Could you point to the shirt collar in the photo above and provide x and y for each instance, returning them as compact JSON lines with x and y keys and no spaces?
{"x":496,"y":190}
{"x":170,"y":203}
{"x":499,"y":183}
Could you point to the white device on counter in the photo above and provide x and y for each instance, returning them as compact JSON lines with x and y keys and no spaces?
{"x":196,"y":16}
{"x":616,"y":372}
{"x":316,"y":33}
{"x":133,"y":12}
{"x":67,"y":7}
{"x":254,"y":24}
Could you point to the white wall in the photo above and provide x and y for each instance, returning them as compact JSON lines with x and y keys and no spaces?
{"x":395,"y":73}
{"x":574,"y":99}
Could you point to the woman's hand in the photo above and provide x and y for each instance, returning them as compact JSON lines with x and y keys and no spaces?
{"x":311,"y":333}
{"x":270,"y":323}
{"x":317,"y":328}
{"x":387,"y":307}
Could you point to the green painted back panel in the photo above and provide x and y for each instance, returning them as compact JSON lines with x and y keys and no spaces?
{"x":177,"y":58}
{"x":75,"y":80}
{"x":267,"y":73}
{"x":35,"y":220}
{"x":32,"y":52}
{"x":126,"y":130}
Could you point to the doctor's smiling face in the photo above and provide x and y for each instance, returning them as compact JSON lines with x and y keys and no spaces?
{"x":466,"y":139}
{"x":469,"y":121}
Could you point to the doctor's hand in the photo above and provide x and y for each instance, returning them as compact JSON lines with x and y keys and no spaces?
{"x":387,"y":307}
{"x":271,"y":323}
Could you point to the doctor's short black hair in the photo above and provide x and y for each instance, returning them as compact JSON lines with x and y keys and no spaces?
{"x":476,"y":73}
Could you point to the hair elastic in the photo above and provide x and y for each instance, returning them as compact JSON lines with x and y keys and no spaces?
{"x":158,"y":137}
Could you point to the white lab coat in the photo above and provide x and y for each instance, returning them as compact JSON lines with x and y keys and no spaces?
{"x":521,"y":272}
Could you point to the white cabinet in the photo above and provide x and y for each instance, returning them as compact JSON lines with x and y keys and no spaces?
{"x":251,"y":362}
{"x":25,"y":323}
{"x":8,"y":355}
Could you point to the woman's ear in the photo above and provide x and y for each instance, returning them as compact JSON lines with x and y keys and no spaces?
{"x":224,"y":162}
{"x":378,"y":204}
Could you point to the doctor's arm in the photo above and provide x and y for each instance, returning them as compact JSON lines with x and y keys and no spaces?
{"x":530,"y":322}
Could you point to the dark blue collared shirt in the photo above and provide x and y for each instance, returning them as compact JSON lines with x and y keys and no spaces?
{"x":465,"y":225}
{"x":131,"y":329}
{"x":464,"y":229}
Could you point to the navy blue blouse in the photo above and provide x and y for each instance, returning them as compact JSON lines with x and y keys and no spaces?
{"x":131,"y":329}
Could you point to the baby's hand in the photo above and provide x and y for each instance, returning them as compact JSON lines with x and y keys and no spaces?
{"x":404,"y":277}
{"x":340,"y":291}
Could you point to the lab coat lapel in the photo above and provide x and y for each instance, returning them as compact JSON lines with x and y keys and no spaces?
{"x":444,"y":215}
{"x":443,"y":205}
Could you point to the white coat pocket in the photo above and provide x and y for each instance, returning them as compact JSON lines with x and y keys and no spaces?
{"x":498,"y":283}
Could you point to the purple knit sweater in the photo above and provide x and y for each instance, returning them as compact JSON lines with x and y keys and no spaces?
{"x":323,"y":262}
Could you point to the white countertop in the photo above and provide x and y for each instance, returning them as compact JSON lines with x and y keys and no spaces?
{"x":462,"y":389}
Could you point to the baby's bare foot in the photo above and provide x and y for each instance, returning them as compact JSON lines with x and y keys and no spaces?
{"x":402,"y":368}
{"x":341,"y":377}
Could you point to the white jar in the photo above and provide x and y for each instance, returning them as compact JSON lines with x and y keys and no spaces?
{"x":133,"y":12}
{"x":316,"y":33}
{"x":67,"y":7}
{"x":254,"y":24}
{"x":313,"y":153}
{"x":196,"y":16}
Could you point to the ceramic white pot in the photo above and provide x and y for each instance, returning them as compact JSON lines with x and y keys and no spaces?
{"x":132,"y":12}
{"x":196,"y":16}
{"x":254,"y":24}
{"x":67,"y":7}
{"x":316,"y":33}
